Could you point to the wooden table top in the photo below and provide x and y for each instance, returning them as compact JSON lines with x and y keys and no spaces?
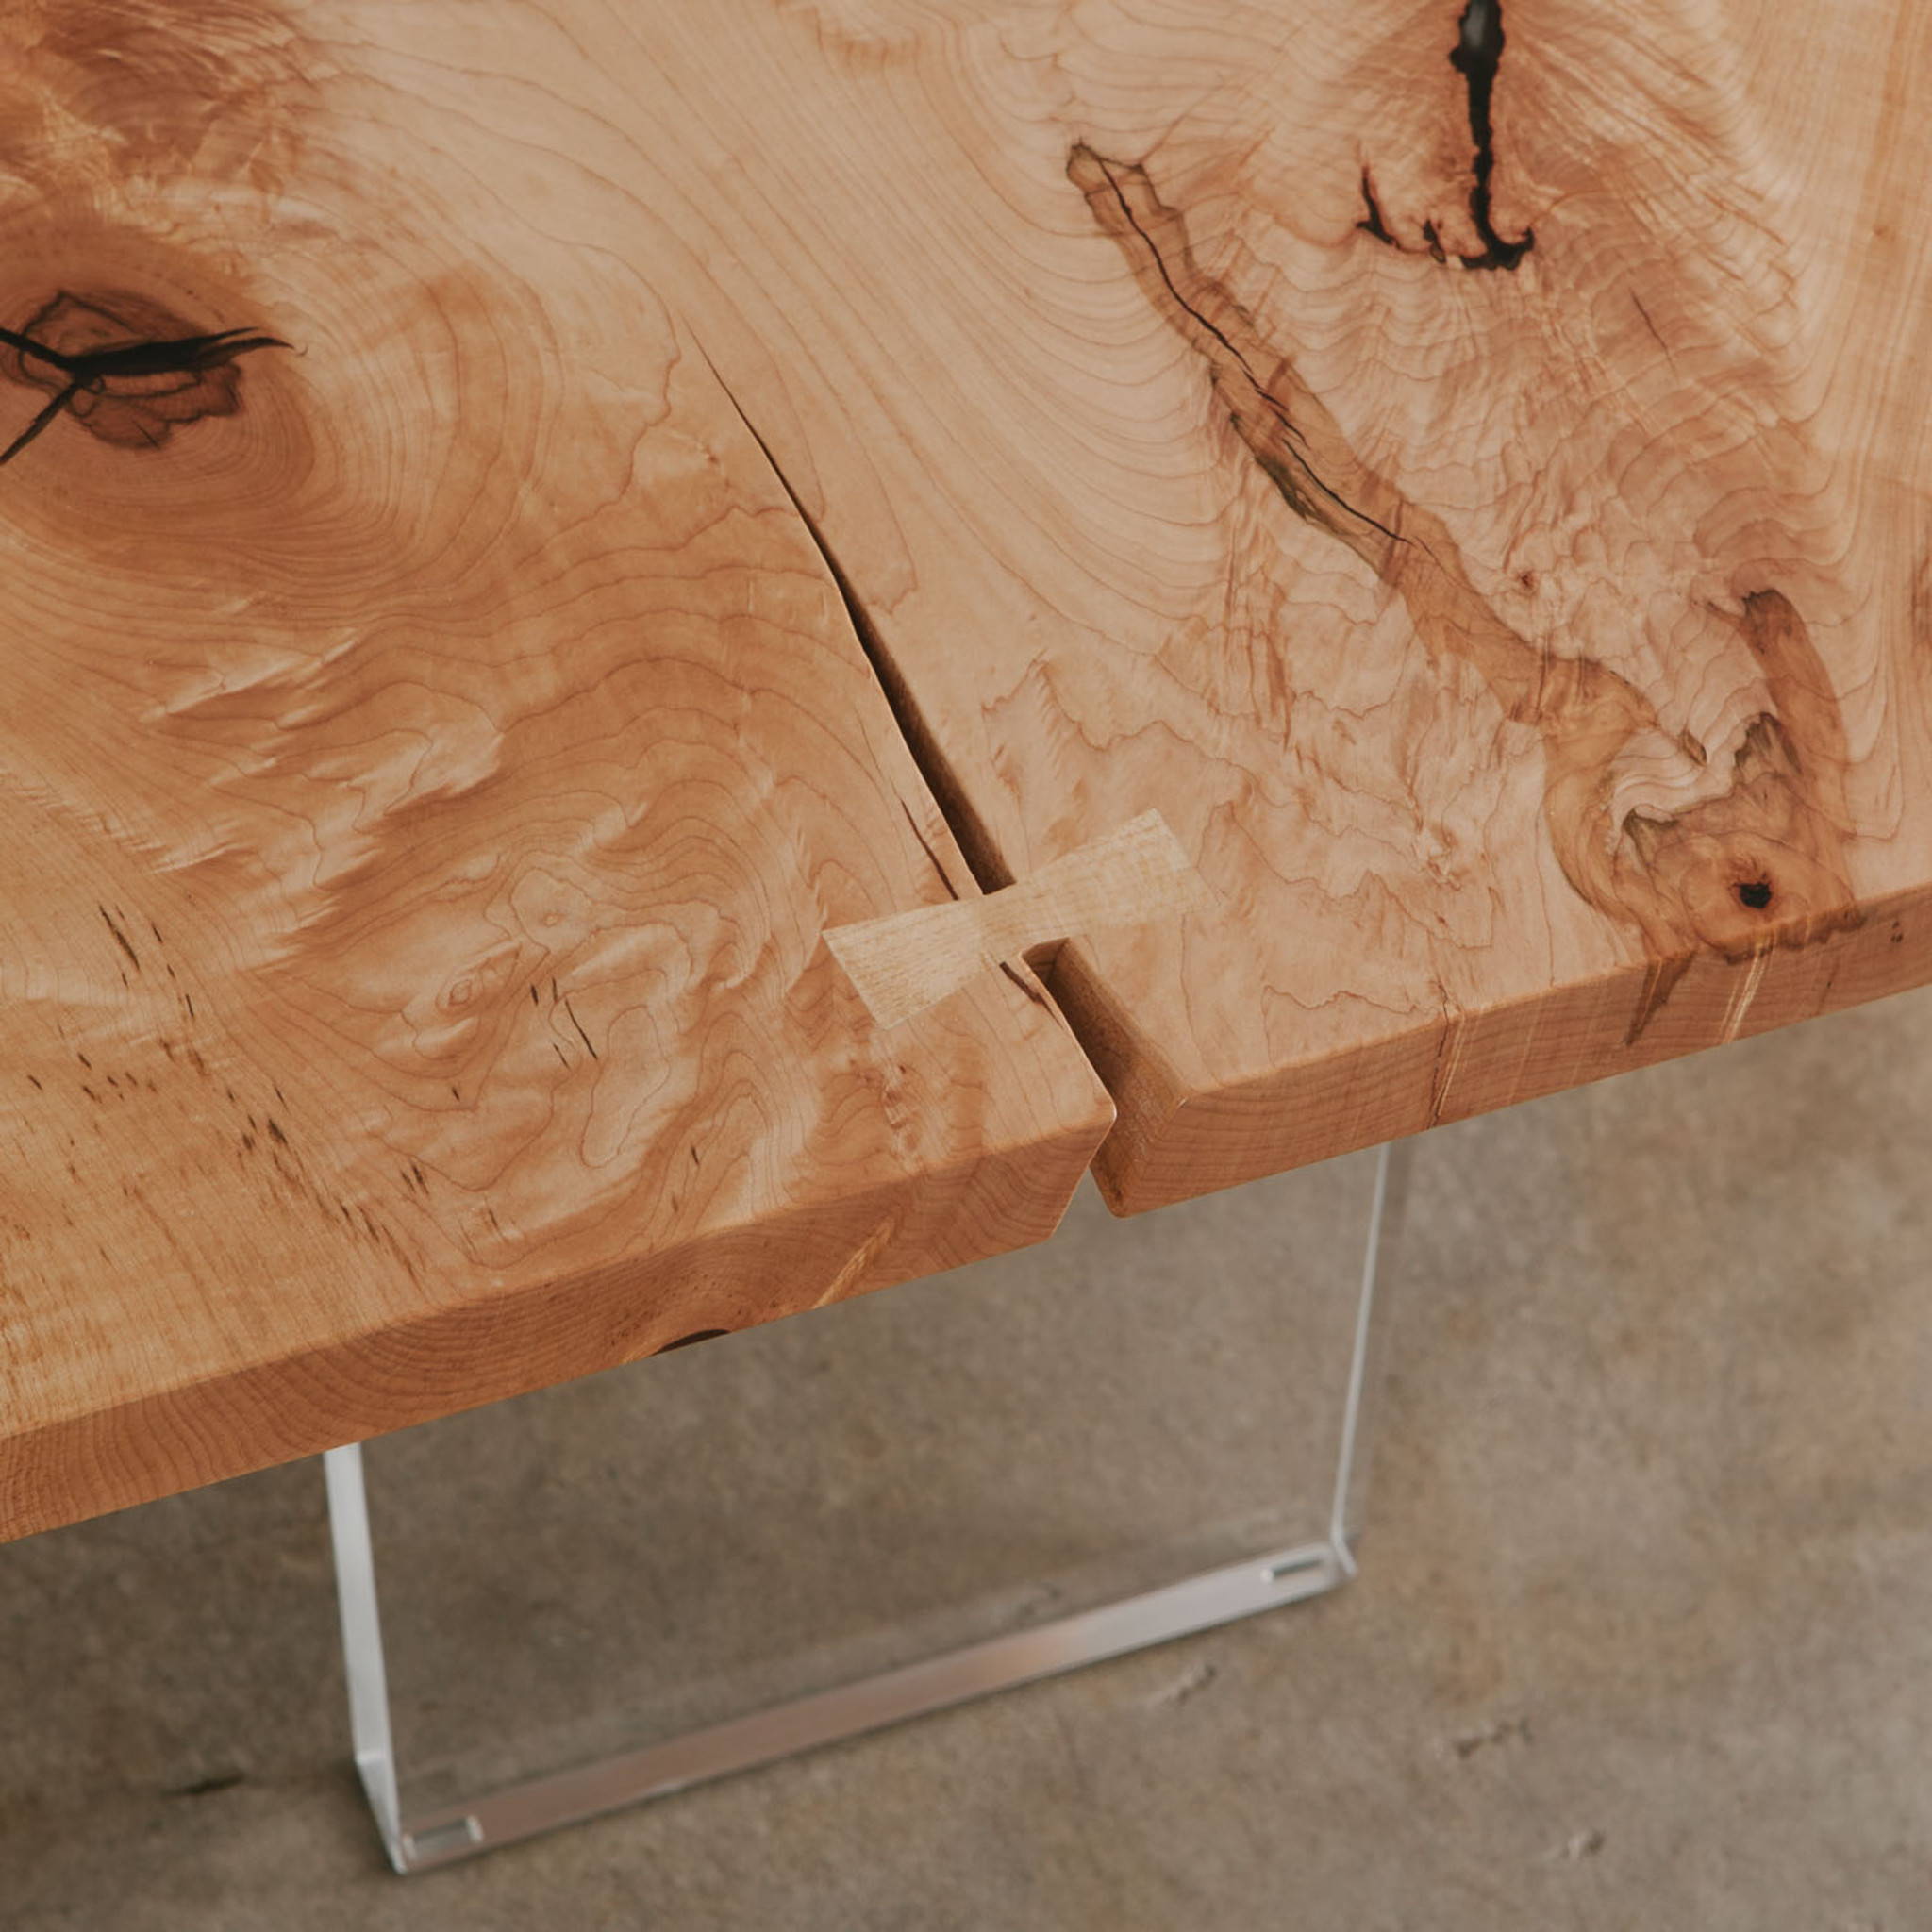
{"x":586,"y":586}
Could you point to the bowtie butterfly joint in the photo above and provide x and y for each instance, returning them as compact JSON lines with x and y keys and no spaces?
{"x":157,"y":383}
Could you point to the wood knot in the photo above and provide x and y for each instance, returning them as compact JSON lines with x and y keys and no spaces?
{"x":127,"y":369}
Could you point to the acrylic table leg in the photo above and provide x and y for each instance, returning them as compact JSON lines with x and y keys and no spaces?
{"x":1393,"y":1163}
{"x":1266,"y":1579}
{"x":369,"y":1730}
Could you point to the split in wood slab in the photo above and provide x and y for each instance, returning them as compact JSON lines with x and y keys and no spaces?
{"x":430,"y":759}
{"x":1461,"y":462}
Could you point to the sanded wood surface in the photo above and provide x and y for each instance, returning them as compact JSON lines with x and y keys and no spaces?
{"x":432,"y":749}
{"x":1462,"y":465}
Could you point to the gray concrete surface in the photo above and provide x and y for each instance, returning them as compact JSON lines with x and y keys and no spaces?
{"x":1643,"y":1636}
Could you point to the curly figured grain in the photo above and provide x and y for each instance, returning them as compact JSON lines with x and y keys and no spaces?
{"x":1461,"y":462}
{"x":433,"y":749}
{"x":1760,"y":864}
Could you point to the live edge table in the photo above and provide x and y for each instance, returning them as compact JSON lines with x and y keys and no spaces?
{"x":664,"y":664}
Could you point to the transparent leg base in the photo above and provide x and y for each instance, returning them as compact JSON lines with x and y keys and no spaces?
{"x":1152,"y":1539}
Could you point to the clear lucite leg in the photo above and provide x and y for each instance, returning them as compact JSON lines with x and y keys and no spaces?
{"x":369,"y":1729}
{"x":1351,"y":1456}
{"x":1265,"y":1579}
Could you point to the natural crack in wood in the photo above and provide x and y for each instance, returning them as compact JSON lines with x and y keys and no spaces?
{"x":969,"y":830}
{"x":1477,"y":56}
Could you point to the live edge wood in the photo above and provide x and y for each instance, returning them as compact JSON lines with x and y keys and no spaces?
{"x":431,"y":748}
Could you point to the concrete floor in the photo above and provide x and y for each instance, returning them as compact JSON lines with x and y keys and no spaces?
{"x":1644,"y":1636}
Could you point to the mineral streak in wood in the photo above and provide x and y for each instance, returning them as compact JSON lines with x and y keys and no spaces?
{"x":1762,"y":864}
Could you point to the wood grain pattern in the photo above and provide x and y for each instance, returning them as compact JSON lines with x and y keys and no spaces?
{"x":433,"y":748}
{"x":1464,"y":465}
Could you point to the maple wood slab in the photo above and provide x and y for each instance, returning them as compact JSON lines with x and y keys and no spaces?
{"x":432,"y":751}
{"x":1464,"y":464}
{"x":1462,"y":468}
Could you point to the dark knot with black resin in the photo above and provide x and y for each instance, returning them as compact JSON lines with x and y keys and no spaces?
{"x":126,"y":372}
